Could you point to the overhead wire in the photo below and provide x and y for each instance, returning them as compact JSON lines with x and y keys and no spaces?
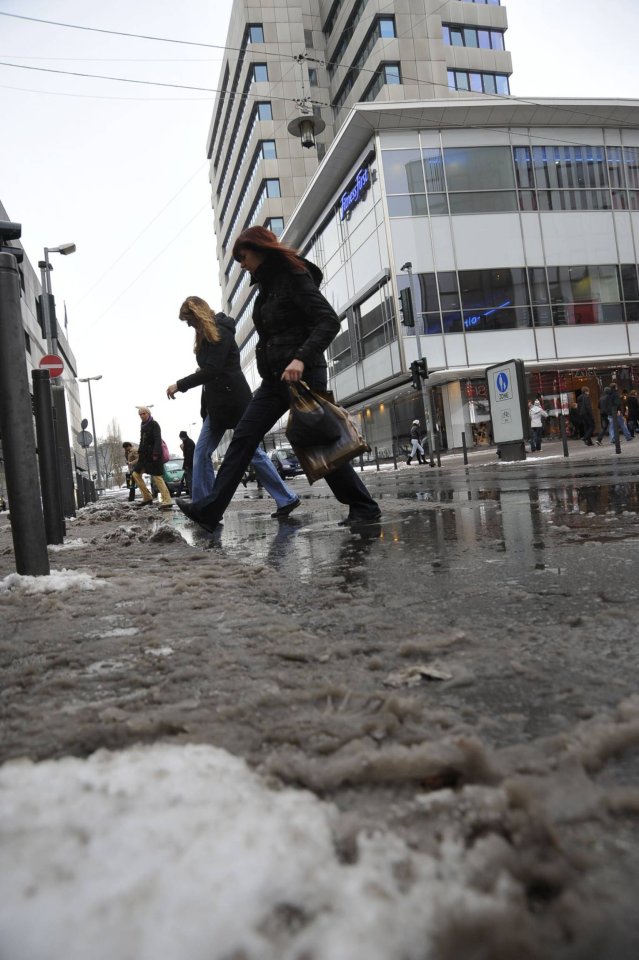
{"x":235,"y":94}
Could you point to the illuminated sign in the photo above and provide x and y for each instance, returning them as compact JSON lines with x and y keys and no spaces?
{"x":355,"y":193}
{"x":476,"y":318}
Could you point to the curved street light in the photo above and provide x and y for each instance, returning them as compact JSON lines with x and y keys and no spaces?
{"x":45,"y":276}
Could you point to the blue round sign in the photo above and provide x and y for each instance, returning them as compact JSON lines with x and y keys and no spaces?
{"x":502,"y":381}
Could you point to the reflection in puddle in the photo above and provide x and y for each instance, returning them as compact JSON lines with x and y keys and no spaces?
{"x":455,"y":528}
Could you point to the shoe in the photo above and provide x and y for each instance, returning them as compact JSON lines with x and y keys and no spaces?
{"x":598,"y":442}
{"x":195,"y":515}
{"x":166,"y":506}
{"x":145,"y":503}
{"x":288,"y":508}
{"x":353,"y":519}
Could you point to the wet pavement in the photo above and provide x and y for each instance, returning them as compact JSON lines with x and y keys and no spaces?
{"x":474,"y":652}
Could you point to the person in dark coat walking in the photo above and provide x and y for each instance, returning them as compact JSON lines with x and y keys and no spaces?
{"x":633,"y":412}
{"x":150,"y":460}
{"x":295,"y":324}
{"x":188,"y":449}
{"x":586,"y":416}
{"x":225,"y":396}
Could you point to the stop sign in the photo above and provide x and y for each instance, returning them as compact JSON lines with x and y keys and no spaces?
{"x":53,"y":364}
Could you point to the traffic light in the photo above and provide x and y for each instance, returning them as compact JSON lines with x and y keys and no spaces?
{"x":406,"y":307}
{"x":418,"y":372}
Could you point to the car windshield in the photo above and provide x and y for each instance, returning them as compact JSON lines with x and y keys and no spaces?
{"x":286,"y":453}
{"x":174,"y":464}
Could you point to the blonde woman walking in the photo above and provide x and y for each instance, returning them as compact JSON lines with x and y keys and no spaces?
{"x":150,"y":461}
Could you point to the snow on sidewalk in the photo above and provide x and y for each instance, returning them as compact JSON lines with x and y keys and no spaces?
{"x":173,"y":852}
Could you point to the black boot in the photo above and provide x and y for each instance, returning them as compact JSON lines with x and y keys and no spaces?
{"x":408,"y":462}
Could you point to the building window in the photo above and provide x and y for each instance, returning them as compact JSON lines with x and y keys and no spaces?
{"x":475,"y":301}
{"x":460,"y":36}
{"x":312,"y":76}
{"x":27,"y":342}
{"x":260,"y":73}
{"x":375,"y":317}
{"x":386,"y":74}
{"x":273,"y":188}
{"x":269,"y":151}
{"x":264,"y":111}
{"x":479,"y":82}
{"x":255,"y":33}
{"x":340,"y":352}
{"x":387,"y":28}
{"x":276,"y":225}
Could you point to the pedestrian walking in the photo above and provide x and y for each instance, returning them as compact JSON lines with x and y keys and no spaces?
{"x":150,"y":460}
{"x":610,"y":407}
{"x":574,"y":420}
{"x":131,"y":455}
{"x":225,"y":396}
{"x":633,"y":412}
{"x":537,"y":417}
{"x":586,"y":415}
{"x":416,"y":448}
{"x":295,"y":324}
{"x":187,"y":446}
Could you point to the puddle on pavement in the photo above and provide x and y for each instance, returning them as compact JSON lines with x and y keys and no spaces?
{"x":448,"y":528}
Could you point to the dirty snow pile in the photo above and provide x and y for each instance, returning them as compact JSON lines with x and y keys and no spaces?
{"x":57,"y":580}
{"x":182,"y":853}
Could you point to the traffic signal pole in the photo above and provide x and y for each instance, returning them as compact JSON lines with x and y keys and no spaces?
{"x":421,"y":361}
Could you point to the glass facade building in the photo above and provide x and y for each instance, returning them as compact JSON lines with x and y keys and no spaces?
{"x":522,"y":239}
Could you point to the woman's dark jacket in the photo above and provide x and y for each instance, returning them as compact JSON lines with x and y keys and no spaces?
{"x":150,"y":449}
{"x":292,"y":318}
{"x":225,"y":393}
{"x":584,"y":407}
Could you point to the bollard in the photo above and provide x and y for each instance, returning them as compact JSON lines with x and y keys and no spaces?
{"x":377,"y":459}
{"x":562,"y":430}
{"x":16,"y":423}
{"x":464,"y":448}
{"x":394,"y":458}
{"x":63,"y":451}
{"x":49,"y":479}
{"x":79,"y":489}
{"x":439,"y":459}
{"x":93,"y":493}
{"x":361,"y":462}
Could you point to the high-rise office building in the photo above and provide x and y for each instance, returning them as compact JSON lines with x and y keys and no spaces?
{"x":329,"y":54}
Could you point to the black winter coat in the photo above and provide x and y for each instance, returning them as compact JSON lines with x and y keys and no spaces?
{"x":292,"y":318}
{"x":225,"y":393}
{"x":150,"y":449}
{"x":584,"y":408}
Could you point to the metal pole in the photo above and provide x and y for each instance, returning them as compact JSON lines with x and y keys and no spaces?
{"x":464,"y":447}
{"x":562,"y":431}
{"x":45,"y":268}
{"x":426,"y":400}
{"x":95,"y":438}
{"x":65,"y":467}
{"x":16,"y":423}
{"x":49,"y":479}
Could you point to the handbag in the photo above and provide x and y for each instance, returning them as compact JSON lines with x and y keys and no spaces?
{"x":314,"y":416}
{"x":166,"y":456}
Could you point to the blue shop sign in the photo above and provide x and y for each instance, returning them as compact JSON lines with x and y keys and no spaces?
{"x":356,"y":192}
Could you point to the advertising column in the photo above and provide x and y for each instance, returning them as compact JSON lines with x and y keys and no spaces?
{"x":508,"y":408}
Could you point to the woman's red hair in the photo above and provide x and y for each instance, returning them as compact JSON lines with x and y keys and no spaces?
{"x":265,"y":242}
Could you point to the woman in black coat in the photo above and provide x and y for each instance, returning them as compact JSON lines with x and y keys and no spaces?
{"x":225,"y":397}
{"x":295,"y":324}
{"x":150,"y":460}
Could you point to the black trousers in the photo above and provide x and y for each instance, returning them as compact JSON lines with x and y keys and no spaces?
{"x":271,"y":401}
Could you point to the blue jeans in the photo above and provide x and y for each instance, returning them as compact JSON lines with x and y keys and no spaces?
{"x":204,"y":474}
{"x":621,"y":427}
{"x":271,"y":401}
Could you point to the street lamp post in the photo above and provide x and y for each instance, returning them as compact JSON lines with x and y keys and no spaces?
{"x":426,"y":397}
{"x":45,"y":275}
{"x":95,"y":436}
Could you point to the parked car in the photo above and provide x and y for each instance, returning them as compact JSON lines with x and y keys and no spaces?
{"x":285,"y":462}
{"x":174,"y":476}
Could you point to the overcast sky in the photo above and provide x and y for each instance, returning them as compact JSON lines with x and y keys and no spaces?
{"x":120,"y":169}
